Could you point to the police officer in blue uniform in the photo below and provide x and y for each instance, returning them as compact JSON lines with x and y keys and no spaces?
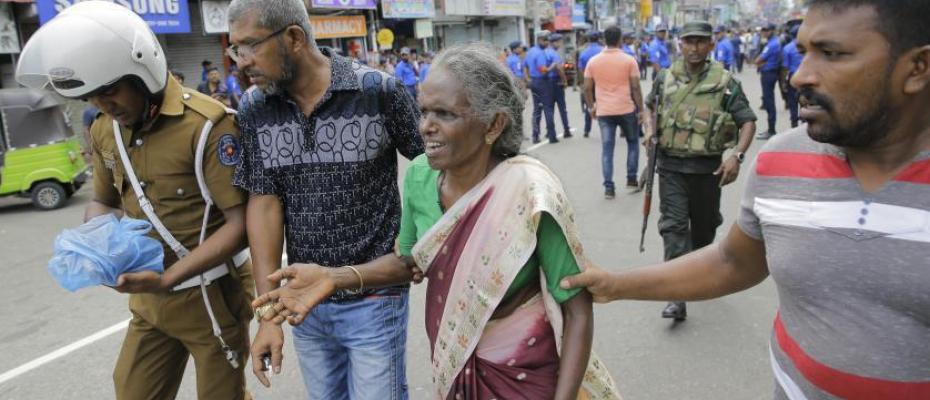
{"x":644,"y":55}
{"x":769,"y":63}
{"x":405,"y":72}
{"x":538,"y":65}
{"x":593,"y":48}
{"x":791,"y":62}
{"x":658,"y":51}
{"x":628,"y":46}
{"x":737,"y":49}
{"x":724,"y":52}
{"x":514,"y":60}
{"x":559,"y":81}
{"x":515,"y":63}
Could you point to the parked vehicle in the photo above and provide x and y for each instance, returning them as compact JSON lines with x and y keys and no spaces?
{"x":40,"y":157}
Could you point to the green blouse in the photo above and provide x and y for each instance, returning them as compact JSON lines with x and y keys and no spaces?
{"x":421,"y":211}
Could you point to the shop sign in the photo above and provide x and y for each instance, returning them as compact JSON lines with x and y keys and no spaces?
{"x":345,"y":4}
{"x":505,"y":8}
{"x":579,"y":15}
{"x":645,"y":9}
{"x":563,"y":15}
{"x":423,"y":28}
{"x":163,"y":16}
{"x":338,"y":26}
{"x":9,"y":37}
{"x":385,"y":38}
{"x":408,"y":8}
{"x":214,"y":14}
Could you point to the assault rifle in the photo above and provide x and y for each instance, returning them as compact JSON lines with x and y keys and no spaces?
{"x":647,"y":178}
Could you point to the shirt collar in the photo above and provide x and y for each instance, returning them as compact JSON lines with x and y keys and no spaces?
{"x":343,"y":75}
{"x":172,"y":105}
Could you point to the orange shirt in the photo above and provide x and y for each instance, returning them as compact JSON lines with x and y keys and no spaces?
{"x":612,"y":71}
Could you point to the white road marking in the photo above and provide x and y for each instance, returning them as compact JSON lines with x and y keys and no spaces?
{"x":29,"y":366}
{"x":541,"y":144}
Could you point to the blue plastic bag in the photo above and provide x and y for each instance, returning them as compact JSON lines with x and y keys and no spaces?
{"x":100,"y":250}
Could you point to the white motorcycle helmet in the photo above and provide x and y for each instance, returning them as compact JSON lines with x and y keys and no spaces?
{"x":89,"y":47}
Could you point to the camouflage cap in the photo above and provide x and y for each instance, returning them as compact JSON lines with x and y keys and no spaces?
{"x":697,"y":28}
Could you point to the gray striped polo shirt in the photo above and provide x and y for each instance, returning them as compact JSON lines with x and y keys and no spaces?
{"x":852,"y":270}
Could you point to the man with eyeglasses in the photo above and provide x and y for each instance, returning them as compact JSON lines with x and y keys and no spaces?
{"x":320,"y":136}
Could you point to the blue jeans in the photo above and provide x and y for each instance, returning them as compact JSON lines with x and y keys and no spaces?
{"x":587,"y":115}
{"x":769,"y":81}
{"x":629,"y":125}
{"x":543,"y":103}
{"x":355,"y":349}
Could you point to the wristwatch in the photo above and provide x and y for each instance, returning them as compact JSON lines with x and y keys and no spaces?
{"x":740,"y":156}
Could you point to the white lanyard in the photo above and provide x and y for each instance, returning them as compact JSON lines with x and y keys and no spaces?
{"x":231,"y":356}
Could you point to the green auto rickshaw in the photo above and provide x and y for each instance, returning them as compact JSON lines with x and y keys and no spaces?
{"x":40,"y":157}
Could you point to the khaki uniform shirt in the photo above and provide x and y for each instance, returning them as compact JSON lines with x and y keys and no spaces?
{"x":163,"y":158}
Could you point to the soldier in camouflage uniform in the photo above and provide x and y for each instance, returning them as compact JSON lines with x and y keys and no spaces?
{"x":702,"y":112}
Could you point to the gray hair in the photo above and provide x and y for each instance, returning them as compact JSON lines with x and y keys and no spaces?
{"x":274,"y":14}
{"x":490,"y":89}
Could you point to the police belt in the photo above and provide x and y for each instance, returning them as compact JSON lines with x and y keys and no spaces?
{"x":214,"y":273}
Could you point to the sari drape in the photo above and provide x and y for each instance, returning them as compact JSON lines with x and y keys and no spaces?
{"x":471,"y":257}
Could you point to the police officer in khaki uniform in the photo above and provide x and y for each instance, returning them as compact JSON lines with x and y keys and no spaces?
{"x":702,"y":112}
{"x":146,"y":145}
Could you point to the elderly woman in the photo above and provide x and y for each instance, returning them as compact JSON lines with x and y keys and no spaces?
{"x":493,"y":233}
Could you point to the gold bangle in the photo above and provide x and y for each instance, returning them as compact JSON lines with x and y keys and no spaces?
{"x":262,"y":310}
{"x":361,"y":282}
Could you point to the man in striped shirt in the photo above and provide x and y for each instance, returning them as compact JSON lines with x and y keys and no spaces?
{"x":837,"y":211}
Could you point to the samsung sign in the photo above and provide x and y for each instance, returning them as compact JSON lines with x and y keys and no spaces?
{"x":163,"y":16}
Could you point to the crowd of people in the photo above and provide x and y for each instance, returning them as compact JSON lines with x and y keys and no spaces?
{"x":835,"y":210}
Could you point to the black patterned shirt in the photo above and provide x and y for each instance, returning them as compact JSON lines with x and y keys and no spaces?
{"x":335,"y":170}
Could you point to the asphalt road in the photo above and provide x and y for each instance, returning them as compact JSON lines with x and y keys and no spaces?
{"x":61,"y":345}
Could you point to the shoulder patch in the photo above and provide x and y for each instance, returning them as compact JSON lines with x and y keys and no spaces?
{"x":228,"y":150}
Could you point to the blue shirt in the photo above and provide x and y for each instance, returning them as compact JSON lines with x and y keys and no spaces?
{"x":723,"y":52}
{"x":516,"y":65}
{"x":535,"y":58}
{"x":335,"y":170}
{"x":737,"y":44}
{"x":588,"y":53}
{"x":658,"y":53}
{"x":629,"y":50}
{"x":424,"y":70}
{"x":554,"y":57}
{"x":233,"y":85}
{"x":792,"y":57}
{"x":771,"y":54}
{"x":89,"y":115}
{"x":405,"y":73}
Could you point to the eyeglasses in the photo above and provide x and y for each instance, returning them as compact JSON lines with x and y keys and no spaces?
{"x":247,"y":51}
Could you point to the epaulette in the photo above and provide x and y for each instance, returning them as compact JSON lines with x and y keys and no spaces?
{"x":203,"y":105}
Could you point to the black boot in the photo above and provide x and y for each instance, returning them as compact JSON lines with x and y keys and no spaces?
{"x":678,"y":311}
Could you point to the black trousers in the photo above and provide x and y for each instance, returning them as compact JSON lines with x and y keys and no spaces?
{"x":690,"y":208}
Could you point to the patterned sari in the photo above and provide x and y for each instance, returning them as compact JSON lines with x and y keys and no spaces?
{"x":471,"y":256}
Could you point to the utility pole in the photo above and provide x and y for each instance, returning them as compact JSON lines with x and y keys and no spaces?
{"x":535,"y":19}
